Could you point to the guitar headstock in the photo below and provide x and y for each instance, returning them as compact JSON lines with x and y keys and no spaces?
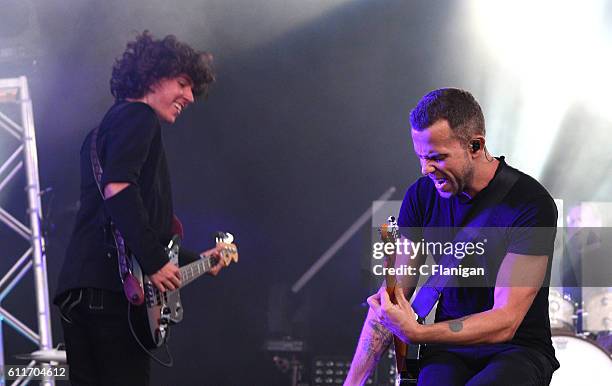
{"x":229,"y":250}
{"x":389,"y":232}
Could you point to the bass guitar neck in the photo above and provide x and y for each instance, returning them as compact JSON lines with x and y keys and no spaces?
{"x":406,"y":357}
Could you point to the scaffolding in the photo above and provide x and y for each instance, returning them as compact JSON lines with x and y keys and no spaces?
{"x":24,"y":158}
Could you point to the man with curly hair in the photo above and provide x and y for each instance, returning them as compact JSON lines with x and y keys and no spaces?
{"x":153,"y":82}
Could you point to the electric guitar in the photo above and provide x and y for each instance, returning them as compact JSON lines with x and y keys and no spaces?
{"x":156,"y":311}
{"x":406,"y":357}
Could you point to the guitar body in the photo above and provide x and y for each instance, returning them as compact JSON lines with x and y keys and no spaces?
{"x":410,"y":373}
{"x":159,"y":310}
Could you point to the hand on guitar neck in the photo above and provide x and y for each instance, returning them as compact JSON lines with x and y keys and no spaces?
{"x":217,"y":254}
{"x":395,"y":314}
{"x":168,"y":278}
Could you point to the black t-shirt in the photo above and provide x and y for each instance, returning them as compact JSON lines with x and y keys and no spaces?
{"x":526,"y":207}
{"x":131,"y":150}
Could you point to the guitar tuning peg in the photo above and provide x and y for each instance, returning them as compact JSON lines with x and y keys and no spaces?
{"x":224,"y":237}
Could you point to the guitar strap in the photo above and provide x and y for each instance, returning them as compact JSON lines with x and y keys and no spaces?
{"x":125,"y":264}
{"x":429,"y":294}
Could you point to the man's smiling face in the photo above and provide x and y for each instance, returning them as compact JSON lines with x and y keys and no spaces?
{"x":170,"y":96}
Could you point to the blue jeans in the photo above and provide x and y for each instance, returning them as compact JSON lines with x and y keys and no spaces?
{"x":491,"y":364}
{"x":100,"y":347}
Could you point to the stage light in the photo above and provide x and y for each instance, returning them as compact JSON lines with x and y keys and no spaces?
{"x":544,"y":58}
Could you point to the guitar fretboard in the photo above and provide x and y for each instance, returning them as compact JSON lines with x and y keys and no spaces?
{"x":193,"y":270}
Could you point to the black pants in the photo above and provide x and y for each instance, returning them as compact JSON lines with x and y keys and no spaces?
{"x":493,"y":364}
{"x":100,"y":347}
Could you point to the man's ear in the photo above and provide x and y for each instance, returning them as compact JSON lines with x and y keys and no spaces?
{"x":476,"y":144}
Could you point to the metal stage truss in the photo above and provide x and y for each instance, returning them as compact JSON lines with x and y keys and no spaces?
{"x":23,"y":158}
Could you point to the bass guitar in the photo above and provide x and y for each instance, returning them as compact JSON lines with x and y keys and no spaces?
{"x":158,"y":310}
{"x":406,"y":357}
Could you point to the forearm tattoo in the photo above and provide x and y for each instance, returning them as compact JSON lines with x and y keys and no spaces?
{"x":456,"y":325}
{"x":375,"y":343}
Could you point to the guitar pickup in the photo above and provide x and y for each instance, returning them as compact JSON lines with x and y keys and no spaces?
{"x":150,"y":295}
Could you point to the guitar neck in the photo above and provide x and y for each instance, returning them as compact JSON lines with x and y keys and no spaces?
{"x":390,"y":279}
{"x":192,"y":271}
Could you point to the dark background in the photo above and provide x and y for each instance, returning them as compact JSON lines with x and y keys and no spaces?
{"x":305,"y":127}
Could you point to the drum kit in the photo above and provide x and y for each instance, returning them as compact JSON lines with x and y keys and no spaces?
{"x":582,"y":336}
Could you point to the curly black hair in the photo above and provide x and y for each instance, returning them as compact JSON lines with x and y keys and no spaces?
{"x":147,"y":60}
{"x":457,"y":106}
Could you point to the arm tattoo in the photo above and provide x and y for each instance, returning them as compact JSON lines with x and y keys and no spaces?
{"x":378,"y":340}
{"x":456,"y":325}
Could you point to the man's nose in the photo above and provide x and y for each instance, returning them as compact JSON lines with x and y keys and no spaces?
{"x":188,"y":94}
{"x":426,"y":167}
